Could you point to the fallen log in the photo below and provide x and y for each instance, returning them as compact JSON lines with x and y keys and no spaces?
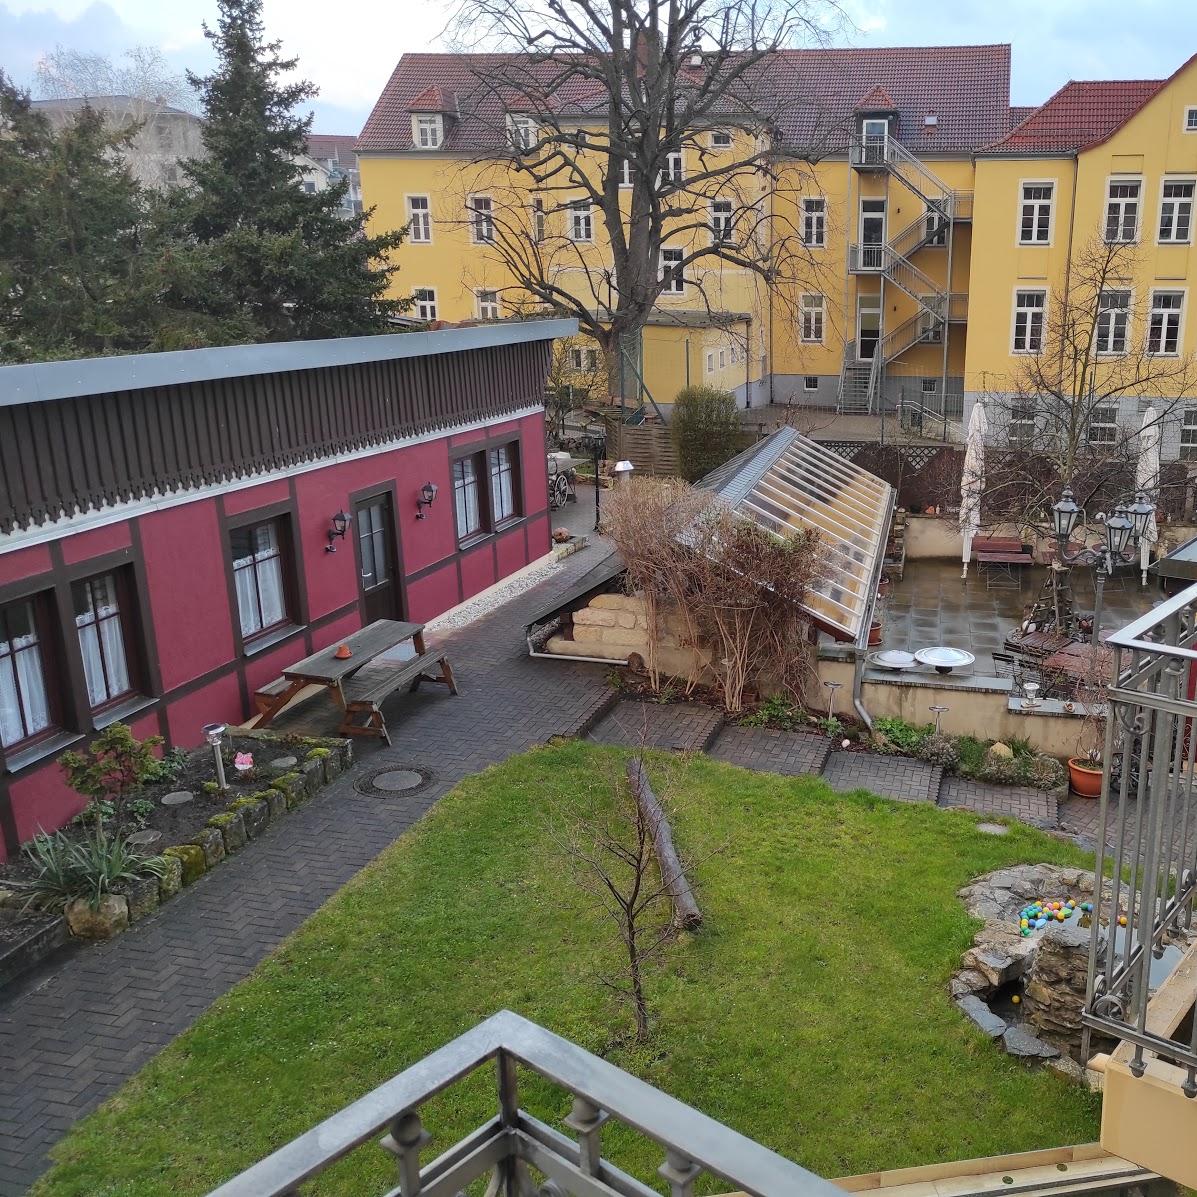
{"x":685,"y":909}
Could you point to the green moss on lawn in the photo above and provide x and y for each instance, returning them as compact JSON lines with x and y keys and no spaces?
{"x":810,"y":1012}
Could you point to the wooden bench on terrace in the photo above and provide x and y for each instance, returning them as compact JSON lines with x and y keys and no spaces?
{"x":1001,"y":559}
{"x":372,"y":685}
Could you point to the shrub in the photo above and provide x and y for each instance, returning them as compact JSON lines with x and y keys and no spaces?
{"x":67,"y":869}
{"x":168,"y":767}
{"x":972,"y":756}
{"x":114,"y":764}
{"x":777,"y":712}
{"x":905,"y":738}
{"x":705,"y":428}
{"x":938,"y":749}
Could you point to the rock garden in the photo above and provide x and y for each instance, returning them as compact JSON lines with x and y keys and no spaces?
{"x":151,"y":826}
{"x":1023,"y":979}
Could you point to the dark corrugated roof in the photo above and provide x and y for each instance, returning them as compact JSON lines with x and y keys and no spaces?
{"x":813,"y":95}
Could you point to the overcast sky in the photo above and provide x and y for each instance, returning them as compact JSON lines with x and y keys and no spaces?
{"x":349,"y":47}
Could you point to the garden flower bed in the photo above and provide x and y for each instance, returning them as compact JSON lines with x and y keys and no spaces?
{"x":179,"y":825}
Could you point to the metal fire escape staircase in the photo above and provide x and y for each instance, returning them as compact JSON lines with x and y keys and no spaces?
{"x":861,"y":379}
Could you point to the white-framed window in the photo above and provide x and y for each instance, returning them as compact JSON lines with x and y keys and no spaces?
{"x":540,"y":221}
{"x":625,"y":172}
{"x":427,"y":130}
{"x":722,"y":358}
{"x":721,"y":139}
{"x":487,"y":304}
{"x":1035,"y":214}
{"x":721,"y":220}
{"x":672,"y":271}
{"x":1163,"y":323}
{"x":482,"y":219}
{"x":813,"y":312}
{"x":810,"y":382}
{"x":710,"y":362}
{"x":419,"y":219}
{"x":930,"y":386}
{"x":1122,"y":210}
{"x":814,"y":221}
{"x":937,"y":227}
{"x":581,"y":221}
{"x":521,"y":132}
{"x":1188,"y":435}
{"x":1029,"y":307}
{"x":503,"y":468}
{"x":1103,"y":425}
{"x":425,"y":298}
{"x":1020,"y":427}
{"x":26,"y":700}
{"x":673,"y":169}
{"x":466,"y":506}
{"x":1113,"y":317}
{"x":583,"y":359}
{"x":1176,"y":211}
{"x":1190,"y":125}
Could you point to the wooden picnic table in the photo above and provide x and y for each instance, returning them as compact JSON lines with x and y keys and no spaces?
{"x":359,"y":682}
{"x":1076,"y":662}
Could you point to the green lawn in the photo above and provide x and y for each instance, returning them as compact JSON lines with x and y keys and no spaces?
{"x":811,"y":1011}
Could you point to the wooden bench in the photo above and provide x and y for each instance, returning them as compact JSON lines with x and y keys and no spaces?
{"x":266,"y":696}
{"x":1001,"y":560}
{"x":366,"y":691}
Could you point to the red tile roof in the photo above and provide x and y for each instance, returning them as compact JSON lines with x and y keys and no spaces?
{"x":814,"y":94}
{"x":433,"y":99}
{"x":1020,"y":112}
{"x":334,"y":147}
{"x":878,"y":100}
{"x":1080,"y":114}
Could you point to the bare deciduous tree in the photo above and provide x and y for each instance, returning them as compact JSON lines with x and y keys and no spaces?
{"x":1059,"y":419}
{"x":142,"y":74}
{"x":603,"y":99}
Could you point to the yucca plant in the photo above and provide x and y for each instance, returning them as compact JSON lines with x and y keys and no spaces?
{"x":89,"y":868}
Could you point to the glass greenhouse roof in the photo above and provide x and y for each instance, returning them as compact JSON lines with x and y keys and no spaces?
{"x":788,"y":483}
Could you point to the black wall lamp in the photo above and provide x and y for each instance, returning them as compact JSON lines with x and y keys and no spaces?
{"x":427,"y":496}
{"x":340,"y":525}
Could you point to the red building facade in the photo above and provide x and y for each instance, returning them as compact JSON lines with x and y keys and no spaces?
{"x":176,"y":528}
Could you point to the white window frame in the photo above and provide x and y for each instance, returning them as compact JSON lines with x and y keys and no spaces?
{"x":1020,"y":426}
{"x":1163,"y":318}
{"x":807,"y":379}
{"x":1122,"y":203}
{"x":482,"y":221}
{"x":522,"y":133}
{"x":625,"y":173}
{"x":722,"y":359}
{"x":813,"y":327}
{"x":487,"y":309}
{"x":674,"y":279}
{"x":1035,"y":208}
{"x":1189,"y":120}
{"x":1174,"y":206}
{"x":1030,"y":309}
{"x":419,"y":220}
{"x":1188,"y":435}
{"x":932,"y":389}
{"x":710,"y":363}
{"x":425,"y":303}
{"x":581,"y":221}
{"x":583,"y":359}
{"x":1109,"y":426}
{"x":814,"y":221}
{"x":427,"y":130}
{"x":722,"y":215}
{"x":674,"y":171}
{"x":1106,"y":327}
{"x":721,"y":139}
{"x":540,"y":221}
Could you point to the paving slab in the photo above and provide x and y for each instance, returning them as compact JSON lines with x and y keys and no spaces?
{"x":769,"y":750}
{"x":890,"y":776}
{"x":680,"y":726}
{"x":1030,"y":805}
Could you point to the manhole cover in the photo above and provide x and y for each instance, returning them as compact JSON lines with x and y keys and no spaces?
{"x":393,"y":780}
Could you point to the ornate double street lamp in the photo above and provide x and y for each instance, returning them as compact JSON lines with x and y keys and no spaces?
{"x":1125,"y":528}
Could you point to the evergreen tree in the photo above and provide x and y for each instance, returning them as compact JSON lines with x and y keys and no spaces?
{"x":258,"y":245}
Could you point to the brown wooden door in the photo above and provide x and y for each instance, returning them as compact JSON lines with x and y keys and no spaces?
{"x":374,"y":526}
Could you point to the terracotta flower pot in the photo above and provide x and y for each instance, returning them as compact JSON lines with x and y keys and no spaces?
{"x":1084,"y":777}
{"x":875,"y":634}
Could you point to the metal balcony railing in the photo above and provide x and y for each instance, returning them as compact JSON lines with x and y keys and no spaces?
{"x":522,"y":1156}
{"x":1147,"y":814}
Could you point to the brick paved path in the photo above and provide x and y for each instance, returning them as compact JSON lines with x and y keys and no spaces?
{"x":1036,"y":807}
{"x":70,"y":1035}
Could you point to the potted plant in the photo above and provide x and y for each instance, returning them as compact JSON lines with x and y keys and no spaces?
{"x":1085,"y":770}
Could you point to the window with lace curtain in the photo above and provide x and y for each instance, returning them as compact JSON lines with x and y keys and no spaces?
{"x":259,"y":577}
{"x":26,"y":707}
{"x":102,"y":614}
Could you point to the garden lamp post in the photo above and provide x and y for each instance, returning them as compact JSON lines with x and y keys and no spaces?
{"x":595,"y":443}
{"x":214,"y":734}
{"x":1125,"y":528}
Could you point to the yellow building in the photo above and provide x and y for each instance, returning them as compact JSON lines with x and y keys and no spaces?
{"x":927,"y":207}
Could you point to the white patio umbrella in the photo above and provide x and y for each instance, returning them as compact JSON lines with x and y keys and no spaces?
{"x":972,"y":482}
{"x":1147,"y":480}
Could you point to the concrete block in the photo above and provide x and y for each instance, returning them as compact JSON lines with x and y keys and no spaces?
{"x":586,"y":634}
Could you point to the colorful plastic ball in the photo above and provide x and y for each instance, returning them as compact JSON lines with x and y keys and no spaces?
{"x":1040,"y":923}
{"x":1025,"y":932}
{"x":1060,"y":916}
{"x":1015,"y":999}
{"x":1122,"y":920}
{"x":1024,"y":922}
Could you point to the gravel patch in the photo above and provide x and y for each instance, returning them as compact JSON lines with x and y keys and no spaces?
{"x":504,"y":592}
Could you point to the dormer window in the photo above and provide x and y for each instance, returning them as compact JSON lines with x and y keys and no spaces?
{"x":521,"y":132}
{"x":427,"y":130}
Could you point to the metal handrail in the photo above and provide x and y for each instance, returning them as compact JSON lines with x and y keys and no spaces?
{"x":507,"y":1144}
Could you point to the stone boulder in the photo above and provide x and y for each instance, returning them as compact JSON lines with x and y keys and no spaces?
{"x":108,"y":918}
